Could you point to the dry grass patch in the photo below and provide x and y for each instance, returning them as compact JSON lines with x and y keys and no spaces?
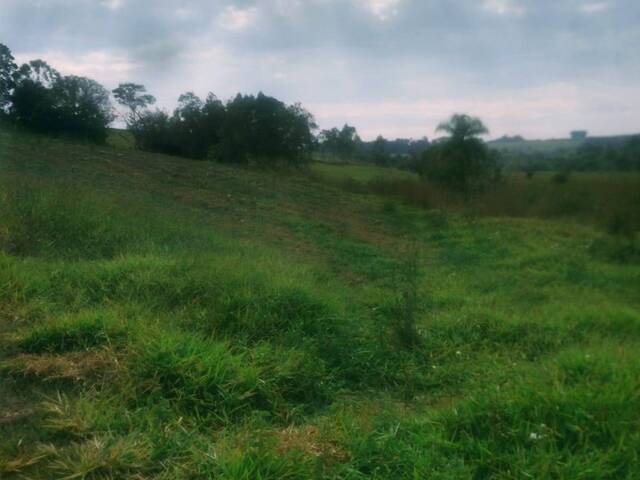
{"x":77,"y":366}
{"x":309,"y":440}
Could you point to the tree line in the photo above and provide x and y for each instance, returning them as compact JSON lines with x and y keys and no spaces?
{"x":247,"y":129}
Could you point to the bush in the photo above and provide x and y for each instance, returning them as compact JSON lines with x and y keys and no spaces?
{"x":44,"y":101}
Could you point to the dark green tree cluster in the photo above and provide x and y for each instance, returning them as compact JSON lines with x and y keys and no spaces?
{"x":261,"y":128}
{"x":462,"y":161}
{"x":37,"y":97}
{"x":247,"y":129}
{"x":343,"y":143}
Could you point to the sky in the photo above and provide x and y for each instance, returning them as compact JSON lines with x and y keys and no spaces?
{"x":537,"y":68}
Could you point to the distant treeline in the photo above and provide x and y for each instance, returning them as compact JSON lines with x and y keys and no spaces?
{"x":38,"y":97}
{"x":598,"y":154}
{"x":248,"y":129}
{"x":345,"y":144}
{"x":245,"y":129}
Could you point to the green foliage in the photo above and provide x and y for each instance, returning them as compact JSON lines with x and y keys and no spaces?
{"x":342,"y":143}
{"x":248,"y":129}
{"x":192,"y":131}
{"x":8,"y":68}
{"x":37,"y":97}
{"x":264,"y":130}
{"x":462,"y":162}
{"x":462,"y":127}
{"x":134,"y":97}
{"x":380,"y":151}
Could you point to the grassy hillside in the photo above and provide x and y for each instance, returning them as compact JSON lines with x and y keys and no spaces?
{"x":169,"y":319}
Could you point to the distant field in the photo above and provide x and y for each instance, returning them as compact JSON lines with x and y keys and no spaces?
{"x":169,"y":319}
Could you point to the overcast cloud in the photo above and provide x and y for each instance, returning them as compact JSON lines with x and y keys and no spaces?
{"x":396,"y":67}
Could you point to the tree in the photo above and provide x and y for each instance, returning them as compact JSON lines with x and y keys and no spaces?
{"x":461,"y":127}
{"x":134,"y":97}
{"x":379,"y":151}
{"x":343,"y":143}
{"x":31,"y":101}
{"x":152,"y":131}
{"x":8,"y":70}
{"x":196,"y":124}
{"x":83,"y":107}
{"x":43,"y":100}
{"x":462,"y":161}
{"x":263,"y":129}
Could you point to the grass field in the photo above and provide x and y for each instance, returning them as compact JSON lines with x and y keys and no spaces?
{"x":162,"y":318}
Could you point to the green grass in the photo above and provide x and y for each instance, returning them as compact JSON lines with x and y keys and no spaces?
{"x":170,"y":319}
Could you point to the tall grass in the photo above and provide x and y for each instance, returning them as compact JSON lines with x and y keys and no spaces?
{"x":59,"y":222}
{"x":220,"y":328}
{"x":594,"y":198}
